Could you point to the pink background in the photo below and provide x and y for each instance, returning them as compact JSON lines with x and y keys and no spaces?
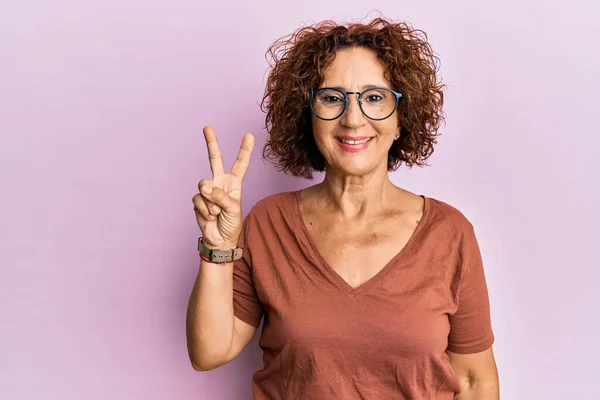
{"x":101,"y":109}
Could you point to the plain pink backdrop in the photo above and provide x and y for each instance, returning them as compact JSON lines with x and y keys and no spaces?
{"x":102,"y":105}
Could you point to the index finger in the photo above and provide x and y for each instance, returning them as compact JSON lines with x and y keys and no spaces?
{"x":214,"y":152}
{"x":240,"y":166}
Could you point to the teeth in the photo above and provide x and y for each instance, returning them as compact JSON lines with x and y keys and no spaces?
{"x":354,"y":141}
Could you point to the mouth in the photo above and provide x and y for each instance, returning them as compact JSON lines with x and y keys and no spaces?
{"x":353,"y":142}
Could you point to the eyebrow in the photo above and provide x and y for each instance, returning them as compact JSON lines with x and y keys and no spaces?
{"x":364,"y":87}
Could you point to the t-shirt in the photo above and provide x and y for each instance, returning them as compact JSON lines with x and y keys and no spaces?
{"x":386,"y":339}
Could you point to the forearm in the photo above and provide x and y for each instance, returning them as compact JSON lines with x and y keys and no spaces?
{"x":479,"y":390}
{"x":209,"y":322}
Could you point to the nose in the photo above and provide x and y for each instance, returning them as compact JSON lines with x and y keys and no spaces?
{"x":353,"y":116}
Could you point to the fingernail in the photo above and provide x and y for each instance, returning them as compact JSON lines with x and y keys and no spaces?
{"x":206,"y":189}
{"x":216,"y":210}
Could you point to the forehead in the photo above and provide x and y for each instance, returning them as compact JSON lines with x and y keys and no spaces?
{"x":355,"y":66}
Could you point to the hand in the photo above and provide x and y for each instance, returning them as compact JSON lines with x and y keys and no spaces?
{"x":218,"y":205}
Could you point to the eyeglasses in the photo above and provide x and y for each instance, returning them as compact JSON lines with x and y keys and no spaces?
{"x":376,"y":103}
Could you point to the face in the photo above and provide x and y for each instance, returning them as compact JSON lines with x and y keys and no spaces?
{"x":353,"y":70}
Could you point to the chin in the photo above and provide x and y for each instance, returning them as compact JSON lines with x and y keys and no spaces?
{"x":358,"y":163}
{"x":354,"y":168}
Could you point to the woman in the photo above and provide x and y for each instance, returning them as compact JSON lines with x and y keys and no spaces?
{"x":368,"y":291}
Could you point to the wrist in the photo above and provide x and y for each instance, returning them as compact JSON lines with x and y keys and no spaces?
{"x":226,"y":246}
{"x":223,"y":253}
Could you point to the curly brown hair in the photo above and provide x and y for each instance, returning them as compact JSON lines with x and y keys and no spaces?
{"x":298,"y":62}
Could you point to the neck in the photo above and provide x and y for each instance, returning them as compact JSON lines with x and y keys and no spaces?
{"x":358,"y":196}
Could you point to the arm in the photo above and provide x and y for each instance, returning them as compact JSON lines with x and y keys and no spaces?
{"x":214,"y":335}
{"x":477,"y":374}
{"x":471,"y":336}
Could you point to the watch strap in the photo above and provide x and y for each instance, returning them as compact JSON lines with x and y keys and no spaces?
{"x":217,"y":256}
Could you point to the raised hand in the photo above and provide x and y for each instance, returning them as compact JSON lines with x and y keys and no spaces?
{"x":218,"y":205}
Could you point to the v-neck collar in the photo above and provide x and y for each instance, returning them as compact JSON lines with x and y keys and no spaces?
{"x":337,"y":278}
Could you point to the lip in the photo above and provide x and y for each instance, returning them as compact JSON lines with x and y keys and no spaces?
{"x":353,"y":137}
{"x":354,"y":148}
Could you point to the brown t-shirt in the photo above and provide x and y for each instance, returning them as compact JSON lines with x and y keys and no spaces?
{"x":386,"y":339}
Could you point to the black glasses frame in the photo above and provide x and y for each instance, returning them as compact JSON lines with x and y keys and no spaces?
{"x":346,"y":99}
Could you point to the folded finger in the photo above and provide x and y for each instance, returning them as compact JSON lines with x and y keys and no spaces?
{"x":212,"y":207}
{"x":201,"y":206}
{"x":220,"y":198}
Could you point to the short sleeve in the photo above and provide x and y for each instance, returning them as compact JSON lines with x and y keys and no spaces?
{"x":246,"y":305}
{"x":470,"y":326}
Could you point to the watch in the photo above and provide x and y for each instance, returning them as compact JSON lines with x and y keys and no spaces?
{"x":218,"y":256}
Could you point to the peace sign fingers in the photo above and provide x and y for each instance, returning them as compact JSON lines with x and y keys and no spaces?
{"x":214,"y":152}
{"x":218,"y":203}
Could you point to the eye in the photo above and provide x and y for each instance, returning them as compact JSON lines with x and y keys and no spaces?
{"x":373,"y":98}
{"x":329,"y":97}
{"x":377,"y":96}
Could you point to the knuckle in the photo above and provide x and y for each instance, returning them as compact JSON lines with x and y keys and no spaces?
{"x":200,"y":216}
{"x":204,"y":214}
{"x":199,"y":204}
{"x":204,"y":182}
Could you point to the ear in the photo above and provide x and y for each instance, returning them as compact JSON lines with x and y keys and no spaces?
{"x":398,"y":134}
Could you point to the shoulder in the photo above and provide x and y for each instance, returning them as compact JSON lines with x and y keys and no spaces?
{"x":274,"y":206}
{"x":270,"y":222}
{"x":447,"y":217}
{"x":449,"y":226}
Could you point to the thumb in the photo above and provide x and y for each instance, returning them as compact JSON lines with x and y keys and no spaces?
{"x":220,"y":198}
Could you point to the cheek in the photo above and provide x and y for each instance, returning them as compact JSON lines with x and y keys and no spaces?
{"x":318,"y":125}
{"x":322,"y":130}
{"x":392,"y":124}
{"x":388,"y":129}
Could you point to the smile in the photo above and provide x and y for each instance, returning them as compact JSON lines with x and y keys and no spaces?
{"x":354,"y":142}
{"x":354,"y":145}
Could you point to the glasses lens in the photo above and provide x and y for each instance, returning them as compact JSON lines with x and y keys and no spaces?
{"x":378,"y":103}
{"x":328,"y":103}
